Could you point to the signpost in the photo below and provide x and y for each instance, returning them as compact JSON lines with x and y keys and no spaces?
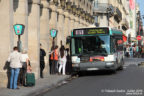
{"x":19,"y":30}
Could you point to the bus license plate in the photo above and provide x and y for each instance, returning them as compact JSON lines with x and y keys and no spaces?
{"x":92,"y":69}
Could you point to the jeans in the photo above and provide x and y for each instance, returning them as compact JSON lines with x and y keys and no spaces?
{"x":54,"y":67}
{"x":62,"y":66}
{"x":14,"y":77}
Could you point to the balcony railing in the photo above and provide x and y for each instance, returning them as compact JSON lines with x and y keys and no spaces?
{"x":101,"y":7}
{"x":118,"y":14}
{"x":104,"y":8}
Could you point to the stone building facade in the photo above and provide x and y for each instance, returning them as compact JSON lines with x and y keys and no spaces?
{"x":39,"y":17}
{"x":112,"y":13}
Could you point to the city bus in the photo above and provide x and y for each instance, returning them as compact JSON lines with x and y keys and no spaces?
{"x":97,"y":49}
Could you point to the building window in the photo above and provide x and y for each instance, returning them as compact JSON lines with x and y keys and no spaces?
{"x":96,"y":18}
{"x":96,"y":21}
{"x":96,"y":3}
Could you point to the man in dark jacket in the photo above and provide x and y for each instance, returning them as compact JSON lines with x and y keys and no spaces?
{"x":42,"y":62}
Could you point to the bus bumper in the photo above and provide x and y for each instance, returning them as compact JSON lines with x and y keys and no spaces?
{"x":93,"y":66}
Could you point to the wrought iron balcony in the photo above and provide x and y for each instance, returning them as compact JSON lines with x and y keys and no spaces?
{"x":118,"y":14}
{"x":102,"y":8}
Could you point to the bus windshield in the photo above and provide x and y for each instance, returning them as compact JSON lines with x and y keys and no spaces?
{"x":90,"y":45}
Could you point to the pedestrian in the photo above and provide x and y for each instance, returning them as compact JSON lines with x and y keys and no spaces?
{"x":127,"y":51}
{"x":62,"y":59}
{"x":23,"y":70}
{"x":142,"y":51}
{"x":54,"y":60}
{"x":15,"y":65}
{"x":134,"y":50}
{"x":131,"y":51}
{"x":68,"y":63}
{"x":42,"y":61}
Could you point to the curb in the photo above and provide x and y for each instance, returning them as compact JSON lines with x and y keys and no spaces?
{"x":47,"y":88}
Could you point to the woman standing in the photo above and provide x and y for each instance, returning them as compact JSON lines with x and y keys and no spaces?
{"x":25,"y":63}
{"x":62,"y":59}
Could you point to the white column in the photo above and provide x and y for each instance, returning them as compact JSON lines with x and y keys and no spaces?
{"x":33,"y":35}
{"x":72,"y":23}
{"x":52,"y":23}
{"x":76,"y":23}
{"x":44,"y":33}
{"x":60,"y":27}
{"x":21,"y":17}
{"x":6,"y":38}
{"x":66,"y":26}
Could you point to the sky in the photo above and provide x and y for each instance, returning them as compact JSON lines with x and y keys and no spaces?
{"x":141,"y":4}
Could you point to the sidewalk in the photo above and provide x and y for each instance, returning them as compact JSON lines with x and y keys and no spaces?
{"x":41,"y":85}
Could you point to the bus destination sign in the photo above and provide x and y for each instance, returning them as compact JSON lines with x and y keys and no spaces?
{"x":91,"y":31}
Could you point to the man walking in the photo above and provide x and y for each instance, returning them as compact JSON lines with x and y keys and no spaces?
{"x":42,"y":62}
{"x":15,"y":65}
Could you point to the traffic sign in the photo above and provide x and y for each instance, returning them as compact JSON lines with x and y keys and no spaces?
{"x":138,"y":37}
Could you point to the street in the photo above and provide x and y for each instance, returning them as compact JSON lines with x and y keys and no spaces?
{"x":128,"y":82}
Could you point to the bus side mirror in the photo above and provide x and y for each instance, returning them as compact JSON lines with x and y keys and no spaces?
{"x":68,"y":39}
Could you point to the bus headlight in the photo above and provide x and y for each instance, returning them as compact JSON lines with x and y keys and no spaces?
{"x":75,"y":59}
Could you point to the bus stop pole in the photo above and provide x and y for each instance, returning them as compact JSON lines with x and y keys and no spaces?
{"x":19,"y":44}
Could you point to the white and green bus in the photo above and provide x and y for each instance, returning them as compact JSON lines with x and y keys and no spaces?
{"x":97,"y":49}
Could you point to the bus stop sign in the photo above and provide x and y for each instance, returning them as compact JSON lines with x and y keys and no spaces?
{"x":19,"y":29}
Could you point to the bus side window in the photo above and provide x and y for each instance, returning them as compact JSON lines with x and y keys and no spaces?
{"x":119,"y":44}
{"x":112,"y":45}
